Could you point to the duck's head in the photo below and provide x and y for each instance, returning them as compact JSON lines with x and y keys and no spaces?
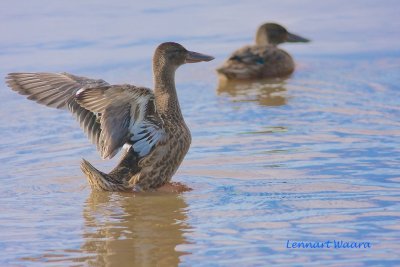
{"x":172,"y":55}
{"x":272,"y":33}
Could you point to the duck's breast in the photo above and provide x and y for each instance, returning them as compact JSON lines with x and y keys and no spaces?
{"x":277,"y":63}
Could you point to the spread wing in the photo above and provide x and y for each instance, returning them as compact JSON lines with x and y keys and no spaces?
{"x":128,"y":116}
{"x":58,"y":90}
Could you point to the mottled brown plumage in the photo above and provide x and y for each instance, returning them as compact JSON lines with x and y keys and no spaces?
{"x":263,"y":59}
{"x":149,"y":123}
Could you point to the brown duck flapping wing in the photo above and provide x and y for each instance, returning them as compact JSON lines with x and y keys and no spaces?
{"x":128,"y":115}
{"x":58,"y":90}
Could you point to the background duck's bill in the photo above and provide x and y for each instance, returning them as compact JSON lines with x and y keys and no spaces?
{"x":293,"y":38}
{"x":193,"y":57}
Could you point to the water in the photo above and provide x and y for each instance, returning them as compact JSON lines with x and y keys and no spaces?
{"x":313,"y":158}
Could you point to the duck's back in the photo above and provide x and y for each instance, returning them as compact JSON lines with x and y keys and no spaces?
{"x":257,"y":61}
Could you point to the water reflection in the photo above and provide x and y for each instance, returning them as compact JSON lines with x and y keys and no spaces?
{"x":142,"y":230}
{"x":265,"y":92}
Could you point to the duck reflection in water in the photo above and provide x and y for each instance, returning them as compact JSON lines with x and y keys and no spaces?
{"x":121,"y":230}
{"x":265,"y":92}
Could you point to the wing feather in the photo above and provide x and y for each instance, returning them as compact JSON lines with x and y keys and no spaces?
{"x":125,"y":117}
{"x":110,"y":115}
{"x":58,"y":90}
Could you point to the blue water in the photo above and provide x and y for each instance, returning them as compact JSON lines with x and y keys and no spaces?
{"x":312,"y":158}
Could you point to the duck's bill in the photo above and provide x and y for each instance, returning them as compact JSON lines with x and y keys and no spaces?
{"x":193,"y":57}
{"x":293,"y":38}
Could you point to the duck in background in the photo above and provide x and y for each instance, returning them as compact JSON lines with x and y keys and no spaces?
{"x":263,"y":59}
{"x":148,"y":123}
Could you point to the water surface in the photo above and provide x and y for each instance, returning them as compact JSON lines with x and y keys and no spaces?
{"x":310,"y":158}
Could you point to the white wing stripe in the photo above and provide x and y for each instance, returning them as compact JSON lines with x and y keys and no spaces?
{"x":125,"y":117}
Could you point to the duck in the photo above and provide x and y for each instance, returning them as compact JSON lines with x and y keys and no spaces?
{"x":263,"y":59}
{"x":147,"y":124}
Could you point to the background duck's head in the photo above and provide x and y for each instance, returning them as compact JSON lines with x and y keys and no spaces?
{"x":172,"y":55}
{"x":272,"y":33}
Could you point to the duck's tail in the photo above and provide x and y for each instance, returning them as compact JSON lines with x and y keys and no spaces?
{"x":234,"y":72}
{"x":102,"y":181}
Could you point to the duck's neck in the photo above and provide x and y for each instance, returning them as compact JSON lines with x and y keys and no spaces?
{"x":164,"y":89}
{"x":262,"y":38}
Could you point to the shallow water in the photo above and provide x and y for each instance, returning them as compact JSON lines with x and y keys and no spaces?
{"x":311,"y":158}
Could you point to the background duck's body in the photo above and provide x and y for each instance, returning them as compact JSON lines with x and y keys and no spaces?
{"x":264,"y":59}
{"x":149,"y":123}
{"x":257,"y":62}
